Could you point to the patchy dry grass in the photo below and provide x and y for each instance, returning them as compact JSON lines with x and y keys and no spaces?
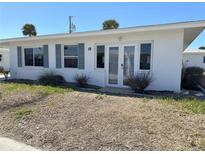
{"x":22,"y":112}
{"x":201,"y":145}
{"x":13,"y":87}
{"x":65,"y":120}
{"x":100,"y":96}
{"x":194,"y":105}
{"x":191,"y":105}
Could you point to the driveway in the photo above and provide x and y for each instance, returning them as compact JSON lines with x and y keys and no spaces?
{"x":7,"y":144}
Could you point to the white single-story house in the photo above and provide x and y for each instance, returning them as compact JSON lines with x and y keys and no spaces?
{"x":4,"y":58}
{"x":107,"y":56}
{"x":194,"y":57}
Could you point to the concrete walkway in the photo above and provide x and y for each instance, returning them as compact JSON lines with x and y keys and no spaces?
{"x":7,"y":144}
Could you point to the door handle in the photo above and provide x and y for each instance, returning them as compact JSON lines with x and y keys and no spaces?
{"x":122,"y":66}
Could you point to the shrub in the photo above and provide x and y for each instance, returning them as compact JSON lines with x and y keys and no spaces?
{"x":192,"y":77}
{"x":139,"y":82}
{"x":4,"y":72}
{"x":81,"y":80}
{"x":1,"y":69}
{"x":194,"y":71}
{"x":50,"y":78}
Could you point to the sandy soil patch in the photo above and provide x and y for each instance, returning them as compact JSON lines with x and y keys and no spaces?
{"x":89,"y":121}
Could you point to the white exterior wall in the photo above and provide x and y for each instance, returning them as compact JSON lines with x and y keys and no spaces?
{"x":194,"y":59}
{"x":166,"y":57}
{"x":5,"y":62}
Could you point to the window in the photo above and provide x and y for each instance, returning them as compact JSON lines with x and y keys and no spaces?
{"x":145,"y":56}
{"x":204,"y":59}
{"x":28,"y":56}
{"x":33,"y":56}
{"x":38,"y":56}
{"x":71,"y":56}
{"x":100,"y":60}
{"x":0,"y":57}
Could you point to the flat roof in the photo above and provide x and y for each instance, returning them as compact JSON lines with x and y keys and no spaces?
{"x":177,"y":25}
{"x":194,"y":51}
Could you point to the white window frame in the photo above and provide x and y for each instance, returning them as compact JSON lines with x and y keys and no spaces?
{"x":24,"y":64}
{"x":95,"y":58}
{"x":151,"y":56}
{"x":63,"y":56}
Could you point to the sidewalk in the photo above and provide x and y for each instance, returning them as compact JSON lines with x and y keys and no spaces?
{"x":7,"y":144}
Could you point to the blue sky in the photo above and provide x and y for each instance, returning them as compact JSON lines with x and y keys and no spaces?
{"x":53,"y":17}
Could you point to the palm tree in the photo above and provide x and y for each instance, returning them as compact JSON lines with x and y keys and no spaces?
{"x":202,"y":47}
{"x":110,"y":24}
{"x":29,"y":29}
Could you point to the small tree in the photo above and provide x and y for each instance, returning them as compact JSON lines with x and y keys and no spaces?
{"x":110,"y":24}
{"x":29,"y":29}
{"x":202,"y":47}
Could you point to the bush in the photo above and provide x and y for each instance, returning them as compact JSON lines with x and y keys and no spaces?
{"x":1,"y":69}
{"x":81,"y":80}
{"x":193,"y":71}
{"x":50,"y":78}
{"x":192,"y":77}
{"x":139,"y":82}
{"x":4,"y":72}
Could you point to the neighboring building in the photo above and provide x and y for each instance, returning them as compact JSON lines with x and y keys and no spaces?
{"x":194,"y":57}
{"x":4,"y":58}
{"x":107,"y":56}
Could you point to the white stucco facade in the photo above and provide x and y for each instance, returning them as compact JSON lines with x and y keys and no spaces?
{"x":4,"y":58}
{"x":194,"y":57}
{"x":167,"y":45}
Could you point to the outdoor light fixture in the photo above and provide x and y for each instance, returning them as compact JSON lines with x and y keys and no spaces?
{"x":89,"y":49}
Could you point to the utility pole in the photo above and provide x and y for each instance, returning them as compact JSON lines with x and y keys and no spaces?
{"x":70,"y":24}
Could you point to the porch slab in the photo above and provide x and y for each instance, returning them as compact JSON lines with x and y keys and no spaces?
{"x":117,"y":90}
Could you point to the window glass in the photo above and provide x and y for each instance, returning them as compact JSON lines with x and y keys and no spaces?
{"x":28,"y":52}
{"x":113,"y":65}
{"x":33,"y":56}
{"x":71,"y":62}
{"x":0,"y":57}
{"x":128,"y":69}
{"x":71,"y":56}
{"x":204,"y":59}
{"x":145,"y":56}
{"x":71,"y":50}
{"x":100,"y":56}
{"x":38,"y":56}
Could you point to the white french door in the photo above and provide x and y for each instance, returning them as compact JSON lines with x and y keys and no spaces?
{"x":121,"y":63}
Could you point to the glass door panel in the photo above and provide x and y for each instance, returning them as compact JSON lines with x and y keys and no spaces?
{"x":113,"y":65}
{"x":128,"y":69}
